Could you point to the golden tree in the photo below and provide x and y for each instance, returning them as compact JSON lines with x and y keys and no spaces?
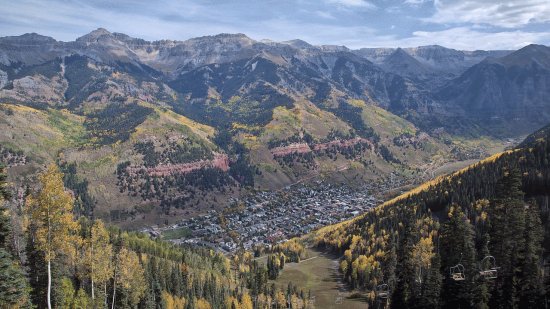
{"x":203,"y":304}
{"x":97,"y":257}
{"x":131,"y":275}
{"x":422,"y":255}
{"x":246,"y":301}
{"x":50,"y":211}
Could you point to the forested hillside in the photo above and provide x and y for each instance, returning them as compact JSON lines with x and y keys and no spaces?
{"x":50,"y":258}
{"x":477,"y":238}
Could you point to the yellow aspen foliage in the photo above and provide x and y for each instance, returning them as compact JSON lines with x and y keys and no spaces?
{"x":53,"y":225}
{"x":203,"y":304}
{"x":422,"y":254}
{"x":280,"y":300}
{"x":232,"y":302}
{"x":51,"y":214}
{"x":131,"y":275}
{"x":483,"y":216}
{"x":247,"y":257}
{"x":296,"y":302}
{"x":97,"y":255}
{"x":179,"y":302}
{"x":172,"y":302}
{"x":244,"y":268}
{"x":246,"y":302}
{"x":348,"y":255}
{"x":344,"y":266}
{"x":262,"y":301}
{"x":167,"y":300}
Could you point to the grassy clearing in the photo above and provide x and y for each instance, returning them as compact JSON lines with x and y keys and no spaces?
{"x":320,"y":275}
{"x":178,"y":233}
{"x":71,"y":125}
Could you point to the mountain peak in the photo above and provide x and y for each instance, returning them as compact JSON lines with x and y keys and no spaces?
{"x":334,"y":48}
{"x":399,"y":55}
{"x":223,"y":38}
{"x":29,"y":38}
{"x":297,"y":43}
{"x":240,"y":36}
{"x":532,"y":53}
{"x":94,"y":36}
{"x":402,"y":62}
{"x":534,"y":49}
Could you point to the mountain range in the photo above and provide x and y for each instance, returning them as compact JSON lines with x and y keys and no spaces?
{"x":184,"y":125}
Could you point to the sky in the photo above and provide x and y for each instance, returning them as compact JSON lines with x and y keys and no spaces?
{"x":466,"y":24}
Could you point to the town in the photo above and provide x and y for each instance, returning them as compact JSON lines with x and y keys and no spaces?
{"x":267,"y":218}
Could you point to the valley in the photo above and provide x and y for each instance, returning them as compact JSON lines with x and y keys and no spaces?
{"x":188,"y":151}
{"x":223,"y":171}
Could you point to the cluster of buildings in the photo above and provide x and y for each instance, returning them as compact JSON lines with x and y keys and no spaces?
{"x":267,"y":218}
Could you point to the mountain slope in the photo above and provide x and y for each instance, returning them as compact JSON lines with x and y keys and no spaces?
{"x":419,"y":235}
{"x":400,"y":62}
{"x":513,"y":89}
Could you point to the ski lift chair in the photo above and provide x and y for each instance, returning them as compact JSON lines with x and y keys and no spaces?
{"x":457,"y":272}
{"x":383,"y":291}
{"x":488,"y":268}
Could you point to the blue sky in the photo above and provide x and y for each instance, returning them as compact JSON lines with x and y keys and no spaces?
{"x":467,"y":24}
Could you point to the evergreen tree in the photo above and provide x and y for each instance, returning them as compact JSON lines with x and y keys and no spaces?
{"x":38,"y":275}
{"x":531,"y":280}
{"x":13,"y":284}
{"x":14,"y":291}
{"x":507,"y":220}
{"x":457,"y":247}
{"x":5,"y":228}
{"x":405,"y":293}
{"x":5,"y":195}
{"x":483,"y":294}
{"x":273,"y":266}
{"x":431,"y":288}
{"x":4,"y":190}
{"x":390,"y":265}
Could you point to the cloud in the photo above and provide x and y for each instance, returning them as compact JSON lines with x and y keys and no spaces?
{"x":416,"y":2}
{"x":353,"y":23}
{"x":464,"y":38}
{"x":353,"y":3}
{"x":325,"y":15}
{"x":507,"y":14}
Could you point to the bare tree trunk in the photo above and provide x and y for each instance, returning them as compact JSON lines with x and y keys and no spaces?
{"x":114,"y":290}
{"x":49,"y":297}
{"x":92,"y":266}
{"x":105,"y":292}
{"x":49,"y":284}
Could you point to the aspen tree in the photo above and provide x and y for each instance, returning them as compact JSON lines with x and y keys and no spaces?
{"x":50,"y":210}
